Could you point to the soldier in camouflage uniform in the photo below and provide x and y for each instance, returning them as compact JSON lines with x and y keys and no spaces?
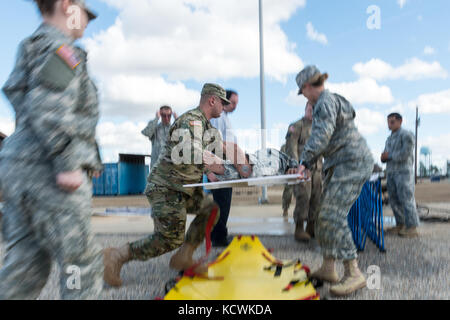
{"x":158,"y":132}
{"x":348,"y":164}
{"x":46,"y":164}
{"x":307,"y":195}
{"x":169,"y":200}
{"x":287,"y":192}
{"x":399,"y":158}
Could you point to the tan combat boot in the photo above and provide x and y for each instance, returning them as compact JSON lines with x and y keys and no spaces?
{"x":300,"y":233}
{"x":327,"y":271}
{"x":394,"y":230}
{"x":113,"y":260}
{"x":182,"y":259}
{"x":353,"y":280}
{"x":409,"y":232}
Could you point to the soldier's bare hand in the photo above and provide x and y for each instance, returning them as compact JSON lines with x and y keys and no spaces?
{"x":304,"y":173}
{"x":175,"y":116}
{"x":212,"y":177}
{"x":292,"y":171}
{"x":158,"y":114}
{"x":69,"y":181}
{"x":384,"y":157}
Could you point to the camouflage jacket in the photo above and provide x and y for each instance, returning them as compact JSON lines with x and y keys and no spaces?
{"x":55,"y":102}
{"x":157,"y":134}
{"x":181,"y":161}
{"x":400,"y":146}
{"x":334,"y":134}
{"x":296,"y":137}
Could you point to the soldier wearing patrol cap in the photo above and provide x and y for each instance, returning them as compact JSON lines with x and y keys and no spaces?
{"x":348,"y":164}
{"x":46,"y":165}
{"x":169,"y":200}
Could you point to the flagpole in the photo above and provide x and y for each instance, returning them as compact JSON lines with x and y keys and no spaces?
{"x":262,"y":91}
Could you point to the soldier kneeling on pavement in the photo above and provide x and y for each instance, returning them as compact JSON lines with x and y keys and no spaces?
{"x":182,"y":162}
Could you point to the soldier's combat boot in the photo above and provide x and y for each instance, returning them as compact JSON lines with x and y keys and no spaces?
{"x":327,"y":271}
{"x":300,"y":233}
{"x":353,"y":280}
{"x":285,"y":213}
{"x":394,"y":230}
{"x":113,"y":260}
{"x":182,"y":259}
{"x":409,"y":232}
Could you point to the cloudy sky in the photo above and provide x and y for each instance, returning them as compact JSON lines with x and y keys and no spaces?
{"x":383,"y":56}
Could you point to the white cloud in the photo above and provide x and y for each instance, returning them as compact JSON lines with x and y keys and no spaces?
{"x":7,"y":125}
{"x":294,"y":99}
{"x":137,"y":96}
{"x":401,"y":3}
{"x":125,"y":137}
{"x":433,"y":103}
{"x":314,"y":35}
{"x":429,"y":50}
{"x":369,"y":121}
{"x":364,"y":90}
{"x":195,"y":39}
{"x":412,"y":69}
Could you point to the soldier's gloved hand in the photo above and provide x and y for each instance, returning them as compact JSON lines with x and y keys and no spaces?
{"x":69,"y":181}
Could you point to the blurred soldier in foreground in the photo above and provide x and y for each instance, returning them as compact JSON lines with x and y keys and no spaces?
{"x":46,"y":164}
{"x":348,"y":165}
{"x":180,"y":163}
{"x":399,"y":158}
{"x":158,"y":133}
{"x":307,"y":195}
{"x":287,"y":192}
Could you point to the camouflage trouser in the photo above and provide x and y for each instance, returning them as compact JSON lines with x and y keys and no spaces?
{"x":287,"y":197}
{"x":307,"y":198}
{"x":401,"y":198}
{"x":42,"y":223}
{"x":342,"y":186}
{"x":169,"y":209}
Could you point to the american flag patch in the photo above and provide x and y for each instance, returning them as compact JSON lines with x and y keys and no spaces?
{"x":195,"y":123}
{"x":68,"y":56}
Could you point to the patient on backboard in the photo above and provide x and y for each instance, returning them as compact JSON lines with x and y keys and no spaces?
{"x":262,"y":163}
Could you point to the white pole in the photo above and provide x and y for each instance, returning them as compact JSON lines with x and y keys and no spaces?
{"x":263,"y":102}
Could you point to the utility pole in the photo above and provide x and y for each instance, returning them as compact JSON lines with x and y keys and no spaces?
{"x":415,"y":158}
{"x":263,"y":102}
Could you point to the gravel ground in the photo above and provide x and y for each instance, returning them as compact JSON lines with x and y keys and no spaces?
{"x":410,"y":269}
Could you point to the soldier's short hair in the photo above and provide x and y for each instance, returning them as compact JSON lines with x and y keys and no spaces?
{"x":395,"y":115}
{"x":230,"y":93}
{"x":165,"y":108}
{"x":46,"y":7}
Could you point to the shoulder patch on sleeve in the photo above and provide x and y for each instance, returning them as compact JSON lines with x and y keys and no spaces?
{"x":59,"y":71}
{"x":68,"y":56}
{"x":195,"y":123}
